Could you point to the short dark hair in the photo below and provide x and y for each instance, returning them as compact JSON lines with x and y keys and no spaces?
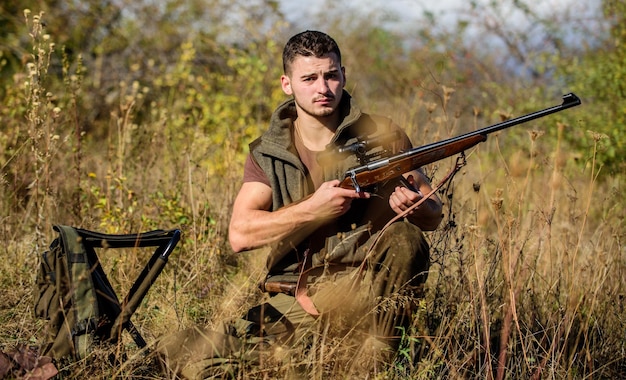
{"x":309,"y":43}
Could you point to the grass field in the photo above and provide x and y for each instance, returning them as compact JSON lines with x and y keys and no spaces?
{"x":527,"y":278}
{"x":528,"y":267}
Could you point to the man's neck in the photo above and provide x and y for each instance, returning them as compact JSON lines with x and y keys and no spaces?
{"x":315,"y":132}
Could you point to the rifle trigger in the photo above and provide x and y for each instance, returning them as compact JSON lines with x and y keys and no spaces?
{"x":357,"y":188}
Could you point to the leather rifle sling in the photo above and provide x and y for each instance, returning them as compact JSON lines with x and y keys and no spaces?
{"x":302,"y":296}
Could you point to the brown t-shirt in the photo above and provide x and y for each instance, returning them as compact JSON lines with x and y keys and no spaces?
{"x":252,"y":172}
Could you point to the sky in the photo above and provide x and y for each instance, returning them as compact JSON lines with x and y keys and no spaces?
{"x":409,"y":10}
{"x":403,"y":15}
{"x":573,"y":22}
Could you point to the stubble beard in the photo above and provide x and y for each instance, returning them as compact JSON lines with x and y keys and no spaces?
{"x":322,"y":112}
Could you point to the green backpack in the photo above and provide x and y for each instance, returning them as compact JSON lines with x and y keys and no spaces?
{"x":74,"y":294}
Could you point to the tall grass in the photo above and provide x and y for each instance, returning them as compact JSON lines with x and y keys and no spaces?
{"x":528,"y":266}
{"x":531,"y":287}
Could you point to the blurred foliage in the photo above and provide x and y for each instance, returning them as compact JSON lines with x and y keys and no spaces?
{"x":599,"y":76}
{"x":152,"y":85}
{"x":169,"y":94}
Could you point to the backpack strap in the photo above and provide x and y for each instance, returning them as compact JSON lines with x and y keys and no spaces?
{"x":83,"y":291}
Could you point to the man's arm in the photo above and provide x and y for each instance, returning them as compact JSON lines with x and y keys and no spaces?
{"x":253,"y":225}
{"x":428,"y":215}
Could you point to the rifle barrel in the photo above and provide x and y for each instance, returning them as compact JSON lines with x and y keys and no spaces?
{"x":439,"y":149}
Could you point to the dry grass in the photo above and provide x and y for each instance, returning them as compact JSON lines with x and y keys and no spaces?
{"x":527,"y":282}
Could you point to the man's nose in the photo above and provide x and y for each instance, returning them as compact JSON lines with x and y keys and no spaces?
{"x":322,"y":86}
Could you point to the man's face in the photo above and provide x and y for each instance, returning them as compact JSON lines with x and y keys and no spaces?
{"x":316,"y":84}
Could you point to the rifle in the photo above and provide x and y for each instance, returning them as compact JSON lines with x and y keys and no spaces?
{"x":387,"y":168}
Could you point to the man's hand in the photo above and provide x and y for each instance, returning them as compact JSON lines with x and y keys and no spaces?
{"x":428,"y":215}
{"x":331,"y":201}
{"x":402,"y":198}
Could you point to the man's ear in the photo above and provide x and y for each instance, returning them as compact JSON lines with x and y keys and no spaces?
{"x":285,"y":83}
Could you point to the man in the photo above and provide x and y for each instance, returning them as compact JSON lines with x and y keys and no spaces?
{"x":282,"y":168}
{"x":329,"y":261}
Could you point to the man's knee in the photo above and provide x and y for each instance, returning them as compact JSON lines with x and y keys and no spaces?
{"x":408,"y":247}
{"x":407,"y":237}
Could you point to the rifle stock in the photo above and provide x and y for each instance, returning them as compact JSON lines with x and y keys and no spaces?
{"x":394,"y":166}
